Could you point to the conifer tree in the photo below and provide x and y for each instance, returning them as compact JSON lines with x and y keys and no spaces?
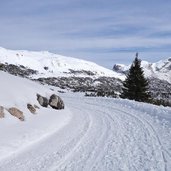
{"x":135,"y":87}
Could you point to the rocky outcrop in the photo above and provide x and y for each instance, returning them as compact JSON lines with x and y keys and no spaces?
{"x":56,"y":102}
{"x":83,"y":84}
{"x":120,"y":69}
{"x":31,"y":108}
{"x":17,"y":70}
{"x":43,"y":101}
{"x":77,"y":72}
{"x":16,"y":112}
{"x":160,"y":89}
{"x":2,"y":112}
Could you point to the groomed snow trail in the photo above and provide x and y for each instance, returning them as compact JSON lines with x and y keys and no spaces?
{"x":101,"y":136}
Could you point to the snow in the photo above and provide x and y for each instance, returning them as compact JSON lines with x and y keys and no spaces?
{"x":98,"y":134}
{"x":57,"y":65}
{"x":15,"y":135}
{"x":160,"y":69}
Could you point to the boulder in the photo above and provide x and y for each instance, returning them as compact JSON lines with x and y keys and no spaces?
{"x":31,"y":108}
{"x":43,"y":101}
{"x":2,"y":112}
{"x":37,"y":107}
{"x":56,"y":102}
{"x":16,"y":112}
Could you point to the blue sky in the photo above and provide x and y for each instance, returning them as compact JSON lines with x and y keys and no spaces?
{"x":103,"y":31}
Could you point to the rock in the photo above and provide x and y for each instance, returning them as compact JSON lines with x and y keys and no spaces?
{"x":37,"y":107}
{"x":2,"y":112}
{"x":16,"y":112}
{"x":1,"y":66}
{"x":43,"y":101}
{"x":17,"y":70}
{"x":31,"y":108}
{"x":56,"y":102}
{"x":46,"y":68}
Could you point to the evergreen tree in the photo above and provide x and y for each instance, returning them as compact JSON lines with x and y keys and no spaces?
{"x":135,"y":87}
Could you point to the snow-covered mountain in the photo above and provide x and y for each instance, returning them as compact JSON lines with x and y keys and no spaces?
{"x":52,"y":65}
{"x":62,"y":140}
{"x":80,"y":75}
{"x":47,"y":65}
{"x":160,"y":70}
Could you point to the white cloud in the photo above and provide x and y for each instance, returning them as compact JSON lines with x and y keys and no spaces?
{"x":82,"y":28}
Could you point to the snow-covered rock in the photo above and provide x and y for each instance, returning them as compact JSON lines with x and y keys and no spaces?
{"x":31,"y":108}
{"x":43,"y":101}
{"x":56,"y":102}
{"x":17,"y":113}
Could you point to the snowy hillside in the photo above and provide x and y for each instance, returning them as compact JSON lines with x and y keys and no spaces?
{"x":15,"y":135}
{"x":160,"y":69}
{"x":52,"y":65}
{"x":80,"y":75}
{"x":98,"y":134}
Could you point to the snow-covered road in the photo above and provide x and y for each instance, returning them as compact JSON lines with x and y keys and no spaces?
{"x":102,"y":135}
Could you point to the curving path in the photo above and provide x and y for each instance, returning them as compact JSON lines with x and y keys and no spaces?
{"x":99,"y":137}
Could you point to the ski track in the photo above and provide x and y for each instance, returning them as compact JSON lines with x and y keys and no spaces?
{"x":144,"y":121}
{"x":148,"y":128}
{"x":99,"y":138}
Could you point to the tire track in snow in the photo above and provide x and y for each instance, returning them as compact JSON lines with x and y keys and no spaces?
{"x":101,"y":153}
{"x":147,"y":130}
{"x":146,"y":124}
{"x":69,"y":154}
{"x":75,"y":147}
{"x":89,"y":155}
{"x":109,"y":138}
{"x":45,"y":152}
{"x":98,"y":144}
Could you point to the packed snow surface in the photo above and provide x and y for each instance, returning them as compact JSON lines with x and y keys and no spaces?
{"x":53,"y":65}
{"x":99,"y":134}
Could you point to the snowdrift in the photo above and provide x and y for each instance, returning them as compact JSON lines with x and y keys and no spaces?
{"x":14,"y":134}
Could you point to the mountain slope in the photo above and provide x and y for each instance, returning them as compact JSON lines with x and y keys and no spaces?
{"x":53,"y":65}
{"x":81,"y":75}
{"x":160,"y":70}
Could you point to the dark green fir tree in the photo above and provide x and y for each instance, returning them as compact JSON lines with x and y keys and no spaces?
{"x":135,"y":86}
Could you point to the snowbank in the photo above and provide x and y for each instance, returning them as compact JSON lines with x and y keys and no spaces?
{"x":16,"y":135}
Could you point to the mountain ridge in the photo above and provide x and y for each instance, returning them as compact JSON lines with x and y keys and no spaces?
{"x":82,"y":76}
{"x":49,"y":64}
{"x":160,"y":70}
